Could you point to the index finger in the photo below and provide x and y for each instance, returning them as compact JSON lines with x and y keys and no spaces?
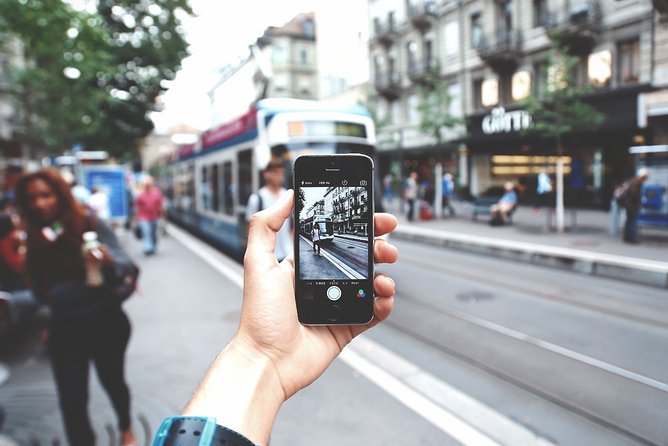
{"x":384,"y":223}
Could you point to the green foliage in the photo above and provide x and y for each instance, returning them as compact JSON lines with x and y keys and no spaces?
{"x":561,"y":111}
{"x":117,"y":59}
{"x":434,"y":107}
{"x":301,"y":201}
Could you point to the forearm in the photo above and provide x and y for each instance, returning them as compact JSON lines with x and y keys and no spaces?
{"x":243,"y":393}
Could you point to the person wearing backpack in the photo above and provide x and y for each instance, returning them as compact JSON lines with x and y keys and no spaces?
{"x":628,"y":195}
{"x":266,"y":196}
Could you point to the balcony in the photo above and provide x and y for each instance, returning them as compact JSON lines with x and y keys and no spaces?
{"x":576,"y":27}
{"x":384,"y":31}
{"x":388,"y":85}
{"x":421,"y":14}
{"x":418,"y":71}
{"x":501,"y":51}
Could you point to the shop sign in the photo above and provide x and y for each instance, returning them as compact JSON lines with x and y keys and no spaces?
{"x":501,"y":121}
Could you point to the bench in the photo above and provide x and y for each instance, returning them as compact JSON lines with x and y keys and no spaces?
{"x":482,"y":204}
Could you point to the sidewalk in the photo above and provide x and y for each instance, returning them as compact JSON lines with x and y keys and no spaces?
{"x":585,"y":246}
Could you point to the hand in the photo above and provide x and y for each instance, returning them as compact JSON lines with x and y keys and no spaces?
{"x":269,"y":325}
{"x":273,"y":356}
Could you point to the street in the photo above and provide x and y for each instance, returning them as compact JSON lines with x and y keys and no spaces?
{"x":478,"y":351}
{"x":343,"y":258}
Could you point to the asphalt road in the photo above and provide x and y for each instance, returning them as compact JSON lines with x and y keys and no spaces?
{"x":478,"y":351}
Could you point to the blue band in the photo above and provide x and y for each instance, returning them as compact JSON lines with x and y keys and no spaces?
{"x":197,"y":431}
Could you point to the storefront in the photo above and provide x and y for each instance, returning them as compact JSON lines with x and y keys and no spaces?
{"x":500,"y":149}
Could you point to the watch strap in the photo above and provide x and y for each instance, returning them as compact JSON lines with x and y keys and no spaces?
{"x":197,"y":431}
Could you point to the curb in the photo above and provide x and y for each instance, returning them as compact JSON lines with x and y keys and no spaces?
{"x":628,"y":269}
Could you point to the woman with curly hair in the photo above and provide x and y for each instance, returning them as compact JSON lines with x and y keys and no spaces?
{"x":87,"y":322}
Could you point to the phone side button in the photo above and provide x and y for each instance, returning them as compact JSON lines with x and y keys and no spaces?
{"x":334,"y":313}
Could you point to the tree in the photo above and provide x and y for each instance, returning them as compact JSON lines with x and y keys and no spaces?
{"x":301,"y":201}
{"x":434,"y":108}
{"x":93,"y":77}
{"x":560,"y":113}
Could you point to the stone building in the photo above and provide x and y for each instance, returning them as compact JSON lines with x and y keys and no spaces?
{"x":492,"y":54}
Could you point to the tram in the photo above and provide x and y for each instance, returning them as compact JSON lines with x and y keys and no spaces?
{"x":208,"y":184}
{"x":324,"y":223}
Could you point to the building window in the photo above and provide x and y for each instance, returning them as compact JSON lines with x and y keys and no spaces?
{"x":309,"y":28}
{"x":413,"y":114}
{"x":490,"y":92}
{"x":477,"y":94}
{"x":451,"y":35}
{"x":505,"y":16}
{"x":628,"y":56}
{"x":476,"y":30}
{"x":521,"y":85}
{"x":539,"y":13}
{"x":303,"y":56}
{"x":600,"y":68}
{"x":540,"y":76}
{"x":278,"y":54}
{"x":455,"y":100}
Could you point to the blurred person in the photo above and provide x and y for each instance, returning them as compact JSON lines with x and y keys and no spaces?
{"x":272,"y":356}
{"x":543,"y":189}
{"x":265,"y":197}
{"x":504,"y":206}
{"x":80,"y":192}
{"x":447,"y":192}
{"x":387,"y":188}
{"x":629,"y":195}
{"x":149,"y":209}
{"x":12,"y":250}
{"x":315,"y":238}
{"x":99,"y":203}
{"x":87,"y":323}
{"x":411,"y":194}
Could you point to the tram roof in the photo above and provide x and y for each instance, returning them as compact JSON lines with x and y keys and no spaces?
{"x":275,"y":105}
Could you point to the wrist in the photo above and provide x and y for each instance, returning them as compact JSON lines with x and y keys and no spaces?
{"x":242,"y":391}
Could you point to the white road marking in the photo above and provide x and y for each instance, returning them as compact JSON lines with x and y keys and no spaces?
{"x":458,"y":415}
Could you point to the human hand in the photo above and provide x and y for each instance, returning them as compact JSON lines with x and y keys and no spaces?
{"x":272,"y":356}
{"x":269,"y":326}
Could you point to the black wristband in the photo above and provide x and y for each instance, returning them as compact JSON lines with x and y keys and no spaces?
{"x":197,"y":431}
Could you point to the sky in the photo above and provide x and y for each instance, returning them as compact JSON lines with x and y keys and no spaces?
{"x":218,"y":35}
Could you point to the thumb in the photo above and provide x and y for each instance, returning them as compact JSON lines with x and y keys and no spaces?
{"x":265,"y":224}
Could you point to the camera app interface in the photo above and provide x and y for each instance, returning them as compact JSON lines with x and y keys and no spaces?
{"x":334,"y":219}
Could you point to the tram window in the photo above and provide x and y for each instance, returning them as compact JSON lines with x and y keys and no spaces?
{"x":244,"y":163}
{"x":226,"y":192}
{"x":204,"y":187}
{"x":215,"y":201}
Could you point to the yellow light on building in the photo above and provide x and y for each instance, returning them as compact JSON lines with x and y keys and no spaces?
{"x":599,"y":67}
{"x":490,"y":92}
{"x":521,"y":85}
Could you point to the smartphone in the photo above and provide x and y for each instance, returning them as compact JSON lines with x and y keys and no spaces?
{"x":334,"y":198}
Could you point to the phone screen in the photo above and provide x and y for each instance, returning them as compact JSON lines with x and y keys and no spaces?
{"x":334,"y":239}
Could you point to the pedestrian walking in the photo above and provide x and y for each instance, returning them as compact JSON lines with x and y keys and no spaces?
{"x":266,"y":196}
{"x":411,"y":194}
{"x":149,"y":209}
{"x":387,"y":188}
{"x":447,"y":192}
{"x":543,"y":189}
{"x":315,"y":238}
{"x":628,"y":195}
{"x":87,"y":322}
{"x":12,"y":250}
{"x":99,"y":203}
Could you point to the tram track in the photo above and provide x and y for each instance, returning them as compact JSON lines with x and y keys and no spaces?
{"x":482,"y":345}
{"x":652,"y":313}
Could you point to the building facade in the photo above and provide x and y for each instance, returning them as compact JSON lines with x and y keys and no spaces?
{"x":291,"y":52}
{"x":494,"y":53}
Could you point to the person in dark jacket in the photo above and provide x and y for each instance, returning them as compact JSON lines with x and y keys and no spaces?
{"x":87,"y":323}
{"x":632,"y":201}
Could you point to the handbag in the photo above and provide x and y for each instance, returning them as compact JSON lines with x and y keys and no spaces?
{"x":122,"y":281}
